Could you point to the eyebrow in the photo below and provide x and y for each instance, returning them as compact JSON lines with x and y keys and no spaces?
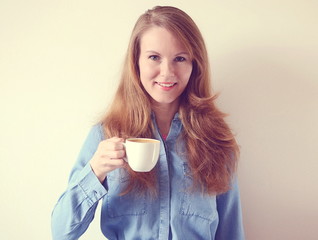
{"x":180,"y":53}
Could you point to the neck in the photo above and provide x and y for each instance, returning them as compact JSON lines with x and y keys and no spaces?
{"x":164,"y":115}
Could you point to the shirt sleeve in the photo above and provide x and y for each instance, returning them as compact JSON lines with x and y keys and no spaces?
{"x":76,"y":207}
{"x":230,"y":215}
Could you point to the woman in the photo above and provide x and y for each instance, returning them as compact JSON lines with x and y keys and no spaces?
{"x":164,"y":93}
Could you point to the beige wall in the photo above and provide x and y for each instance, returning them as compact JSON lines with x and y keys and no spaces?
{"x":59,"y":65}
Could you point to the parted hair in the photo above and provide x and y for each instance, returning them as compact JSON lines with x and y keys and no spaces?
{"x":211,"y":148}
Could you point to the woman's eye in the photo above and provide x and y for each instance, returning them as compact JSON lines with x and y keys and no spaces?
{"x":180,"y":59}
{"x":154,"y":57}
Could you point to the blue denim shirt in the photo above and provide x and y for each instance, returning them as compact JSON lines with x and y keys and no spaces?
{"x":177,"y":213}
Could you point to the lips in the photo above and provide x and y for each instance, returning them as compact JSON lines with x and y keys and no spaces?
{"x":166,"y":84}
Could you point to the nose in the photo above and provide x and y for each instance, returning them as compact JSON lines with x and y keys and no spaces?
{"x":167,"y":69}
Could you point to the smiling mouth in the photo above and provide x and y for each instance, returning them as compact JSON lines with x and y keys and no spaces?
{"x":166,"y":85}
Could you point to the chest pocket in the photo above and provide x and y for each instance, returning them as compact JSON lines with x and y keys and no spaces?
{"x":193,"y":202}
{"x":118,"y":205}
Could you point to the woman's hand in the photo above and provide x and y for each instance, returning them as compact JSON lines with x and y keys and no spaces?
{"x":108,"y":156}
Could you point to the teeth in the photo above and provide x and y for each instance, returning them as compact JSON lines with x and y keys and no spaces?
{"x":166,"y":84}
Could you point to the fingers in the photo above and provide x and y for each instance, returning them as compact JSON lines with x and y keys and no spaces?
{"x":112,"y":148}
{"x":108,"y":157}
{"x":112,"y":144}
{"x":119,"y":154}
{"x":110,"y":164}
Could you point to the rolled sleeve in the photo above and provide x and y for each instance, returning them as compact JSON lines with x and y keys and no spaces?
{"x":76,"y":207}
{"x":90,"y":184}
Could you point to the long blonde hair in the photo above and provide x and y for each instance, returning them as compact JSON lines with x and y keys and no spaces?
{"x":212,"y":151}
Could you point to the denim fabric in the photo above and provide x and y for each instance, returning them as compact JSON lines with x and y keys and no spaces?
{"x":178,"y":212}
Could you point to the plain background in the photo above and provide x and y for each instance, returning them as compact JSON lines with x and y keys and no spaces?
{"x":59,"y":67}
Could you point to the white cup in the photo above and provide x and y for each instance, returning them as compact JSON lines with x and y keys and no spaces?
{"x":142,"y":153}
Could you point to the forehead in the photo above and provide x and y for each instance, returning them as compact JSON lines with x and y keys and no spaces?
{"x":159,"y":38}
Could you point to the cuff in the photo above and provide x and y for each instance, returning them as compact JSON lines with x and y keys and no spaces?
{"x":90,"y":184}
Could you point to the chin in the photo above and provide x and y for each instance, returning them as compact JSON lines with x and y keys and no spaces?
{"x":164,"y":100}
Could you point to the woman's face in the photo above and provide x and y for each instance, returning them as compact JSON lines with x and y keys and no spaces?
{"x":164,"y":64}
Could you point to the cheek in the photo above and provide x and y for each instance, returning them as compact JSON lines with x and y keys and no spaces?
{"x":147,"y":72}
{"x":185,"y":73}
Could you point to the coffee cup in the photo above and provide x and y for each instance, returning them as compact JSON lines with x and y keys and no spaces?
{"x":142,"y":153}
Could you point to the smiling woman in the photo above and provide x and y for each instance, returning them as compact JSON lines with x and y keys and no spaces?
{"x":165,"y":67}
{"x":165,"y":94}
